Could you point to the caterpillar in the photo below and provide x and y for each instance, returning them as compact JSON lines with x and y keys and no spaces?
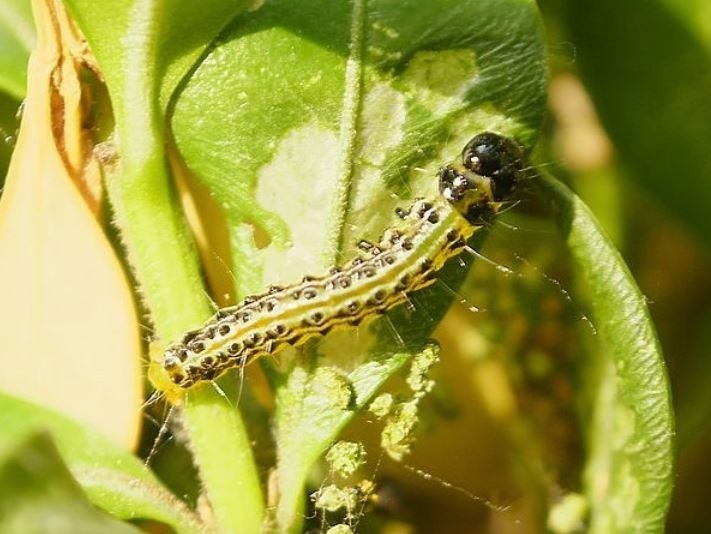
{"x":406,"y":259}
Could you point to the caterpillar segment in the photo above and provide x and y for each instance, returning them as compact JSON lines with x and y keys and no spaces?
{"x":406,"y":259}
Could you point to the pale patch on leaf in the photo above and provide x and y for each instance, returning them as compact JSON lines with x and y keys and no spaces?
{"x":381,"y":129}
{"x":293,"y":184}
{"x":440,"y":80}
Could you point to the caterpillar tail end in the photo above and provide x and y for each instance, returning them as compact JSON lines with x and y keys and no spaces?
{"x":160,"y":380}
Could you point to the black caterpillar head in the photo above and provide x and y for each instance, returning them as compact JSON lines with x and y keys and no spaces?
{"x":488,"y":173}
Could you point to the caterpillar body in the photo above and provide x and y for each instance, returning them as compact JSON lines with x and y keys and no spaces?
{"x":406,"y":259}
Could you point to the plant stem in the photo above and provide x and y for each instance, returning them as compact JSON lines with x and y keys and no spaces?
{"x":162,"y":255}
{"x":222,"y":451}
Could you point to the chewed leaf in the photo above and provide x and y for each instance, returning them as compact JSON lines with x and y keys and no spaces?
{"x":629,"y":467}
{"x":309,"y":123}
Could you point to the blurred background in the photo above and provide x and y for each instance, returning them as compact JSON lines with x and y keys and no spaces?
{"x":629,"y":128}
{"x":630,"y":104}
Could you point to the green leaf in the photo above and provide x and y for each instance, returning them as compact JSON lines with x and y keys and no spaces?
{"x":308,"y":123}
{"x":112,"y":478}
{"x":38,"y":494}
{"x":629,"y":468}
{"x":647,"y":65}
{"x":17,"y":38}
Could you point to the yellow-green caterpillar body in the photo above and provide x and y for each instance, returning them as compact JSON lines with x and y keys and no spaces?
{"x":406,"y":259}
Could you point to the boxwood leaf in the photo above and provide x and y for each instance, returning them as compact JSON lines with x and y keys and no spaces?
{"x":629,"y":469}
